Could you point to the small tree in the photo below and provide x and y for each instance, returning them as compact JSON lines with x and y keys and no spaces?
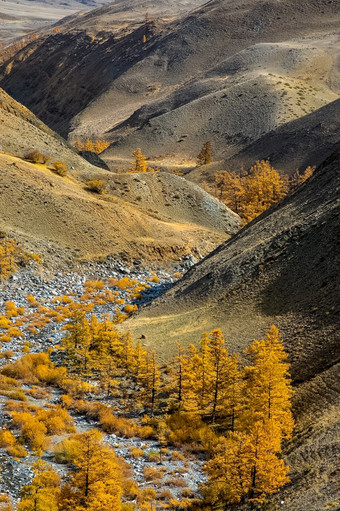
{"x":60,"y":168}
{"x":139,"y":163}
{"x":96,"y":185}
{"x":36,"y":157}
{"x":205,"y":155}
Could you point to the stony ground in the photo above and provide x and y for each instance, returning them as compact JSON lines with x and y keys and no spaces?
{"x":179,"y":472}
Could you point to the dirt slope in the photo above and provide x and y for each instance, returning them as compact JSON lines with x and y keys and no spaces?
{"x":153,"y":215}
{"x":295,"y":145}
{"x":230,"y":71}
{"x":281,"y":269}
{"x":19,"y":19}
{"x":22,"y":131}
{"x":160,"y":218}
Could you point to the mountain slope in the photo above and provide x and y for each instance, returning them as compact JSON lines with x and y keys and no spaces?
{"x":295,"y":145}
{"x":281,"y":269}
{"x":155,"y":216}
{"x":19,"y":19}
{"x":22,"y":131}
{"x":229,"y":71}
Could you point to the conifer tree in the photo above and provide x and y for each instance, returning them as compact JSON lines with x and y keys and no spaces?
{"x":96,"y":484}
{"x":245,"y":468}
{"x":140,"y":161}
{"x":268,"y":385}
{"x":217,"y":371}
{"x":205,"y":155}
{"x":42,"y":494}
{"x":89,"y":146}
{"x":150,"y":381}
{"x":77,"y":343}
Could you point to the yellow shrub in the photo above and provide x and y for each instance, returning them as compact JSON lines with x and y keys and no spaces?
{"x":60,"y":168}
{"x":130,"y":308}
{"x":5,"y":322}
{"x":96,"y":185}
{"x":17,"y":451}
{"x":33,"y":368}
{"x":77,"y":388}
{"x":33,"y":431}
{"x":7,"y":439}
{"x":136,"y":452}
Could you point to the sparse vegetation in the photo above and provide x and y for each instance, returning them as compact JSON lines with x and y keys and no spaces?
{"x":139,"y":164}
{"x":12,"y":257}
{"x":35,"y":156}
{"x":60,"y":168}
{"x":96,"y":146}
{"x":96,"y":185}
{"x":205,"y":155}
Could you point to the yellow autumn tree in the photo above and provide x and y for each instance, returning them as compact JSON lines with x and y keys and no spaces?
{"x":268,"y":386}
{"x":247,"y":465}
{"x":77,"y":343}
{"x":42,"y":494}
{"x":245,"y":468}
{"x":139,"y":162}
{"x":96,"y":485}
{"x":205,"y":155}
{"x":150,"y":382}
{"x":252,"y":193}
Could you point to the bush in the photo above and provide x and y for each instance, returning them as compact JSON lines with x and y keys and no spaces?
{"x":177,"y":456}
{"x":153,"y":455}
{"x":96,"y":185}
{"x":33,"y":368}
{"x":152,"y":474}
{"x":136,"y":452}
{"x":60,"y":168}
{"x":36,"y":157}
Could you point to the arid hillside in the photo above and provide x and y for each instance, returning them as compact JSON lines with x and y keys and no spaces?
{"x":155,"y":216}
{"x":295,"y":145}
{"x":19,"y":19}
{"x":229,"y":71}
{"x":281,"y":269}
{"x":21,"y":131}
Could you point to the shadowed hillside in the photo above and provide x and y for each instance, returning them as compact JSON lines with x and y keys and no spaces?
{"x":155,"y":216}
{"x":295,"y":145}
{"x":229,"y":71}
{"x":281,"y":269}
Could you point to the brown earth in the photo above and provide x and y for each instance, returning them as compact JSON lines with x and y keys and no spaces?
{"x":154,"y":216}
{"x":281,"y":269}
{"x":295,"y":145}
{"x":19,"y":19}
{"x":230,"y":72}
